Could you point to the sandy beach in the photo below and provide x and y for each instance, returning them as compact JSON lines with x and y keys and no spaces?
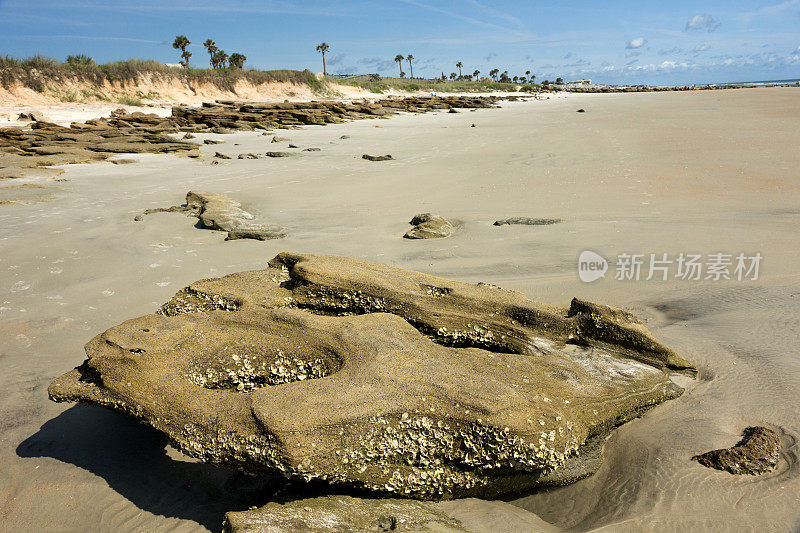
{"x":645,"y":173}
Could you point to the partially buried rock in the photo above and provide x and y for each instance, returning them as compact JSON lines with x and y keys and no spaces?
{"x":348,"y":514}
{"x":279,"y":139}
{"x":386,"y":157}
{"x":757,"y":453}
{"x":221,"y":212}
{"x":188,"y":136}
{"x":312,"y":149}
{"x":429,"y":226}
{"x":527,"y":221}
{"x":212,"y":141}
{"x":374,"y":377}
{"x":279,"y":154}
{"x":247,"y":156}
{"x":581,"y":111}
{"x":221,"y":156}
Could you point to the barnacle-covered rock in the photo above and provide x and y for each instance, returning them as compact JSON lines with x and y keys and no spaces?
{"x":379,"y":378}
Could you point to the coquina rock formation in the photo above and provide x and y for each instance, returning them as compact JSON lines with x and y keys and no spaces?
{"x":380,"y":378}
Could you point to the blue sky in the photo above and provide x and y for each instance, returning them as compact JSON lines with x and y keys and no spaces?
{"x":613,"y":42}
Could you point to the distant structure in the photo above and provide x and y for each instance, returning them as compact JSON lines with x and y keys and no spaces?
{"x":582,"y":82}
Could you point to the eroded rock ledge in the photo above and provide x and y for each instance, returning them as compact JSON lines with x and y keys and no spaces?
{"x":221,"y":212}
{"x":44,"y":144}
{"x":375,"y":377}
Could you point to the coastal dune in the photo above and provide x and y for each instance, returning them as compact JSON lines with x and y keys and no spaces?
{"x":641,"y":173}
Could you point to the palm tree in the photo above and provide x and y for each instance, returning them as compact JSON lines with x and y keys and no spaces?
{"x":458,"y":66}
{"x":532,"y":77}
{"x":559,"y":81}
{"x":452,"y":75}
{"x":180,"y":43}
{"x":493,"y":73}
{"x":399,"y":60}
{"x":476,"y":74}
{"x":237,"y":60}
{"x":220,"y":58}
{"x":211,"y":46}
{"x":322,"y":48}
{"x":410,"y":58}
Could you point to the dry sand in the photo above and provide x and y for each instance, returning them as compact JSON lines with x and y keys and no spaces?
{"x":700,"y":172}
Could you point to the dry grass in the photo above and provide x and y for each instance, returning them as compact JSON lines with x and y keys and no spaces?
{"x":37,"y":71}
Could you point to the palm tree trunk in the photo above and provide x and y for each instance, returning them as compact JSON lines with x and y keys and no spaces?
{"x":411,"y":69}
{"x":324,"y":68}
{"x":400,"y":64}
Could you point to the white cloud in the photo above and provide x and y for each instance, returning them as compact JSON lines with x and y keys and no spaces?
{"x":636,"y":43}
{"x":703,"y":22}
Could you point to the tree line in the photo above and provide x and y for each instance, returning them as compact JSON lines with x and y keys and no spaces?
{"x":218,"y":58}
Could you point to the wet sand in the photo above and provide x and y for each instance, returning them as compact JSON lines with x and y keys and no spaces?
{"x":696,"y":172}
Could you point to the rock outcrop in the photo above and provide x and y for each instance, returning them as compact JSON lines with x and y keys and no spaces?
{"x":379,"y":378}
{"x":387,"y":157}
{"x":527,"y":221}
{"x":757,"y":453}
{"x":221,"y":212}
{"x":44,"y":144}
{"x":343,"y":514}
{"x":429,"y":226}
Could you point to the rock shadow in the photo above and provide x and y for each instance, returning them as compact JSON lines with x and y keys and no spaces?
{"x":133,"y":460}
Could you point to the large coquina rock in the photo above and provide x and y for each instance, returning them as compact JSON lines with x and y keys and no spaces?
{"x":376,"y":377}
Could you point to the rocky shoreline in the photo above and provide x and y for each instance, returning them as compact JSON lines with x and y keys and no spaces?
{"x":28,"y":152}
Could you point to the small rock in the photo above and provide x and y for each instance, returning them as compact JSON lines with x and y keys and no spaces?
{"x":386,"y":157}
{"x":212,"y":141}
{"x":221,"y":156}
{"x":293,"y":146}
{"x":124,"y":161}
{"x":581,"y":111}
{"x":343,"y":137}
{"x":248,"y":156}
{"x":312,"y":149}
{"x":527,"y":221}
{"x":454,"y":110}
{"x":279,"y":139}
{"x":429,"y":226}
{"x":278,"y":154}
{"x":472,"y":126}
{"x":188,"y":136}
{"x":757,"y":453}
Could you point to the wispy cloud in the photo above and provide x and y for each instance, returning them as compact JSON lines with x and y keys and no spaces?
{"x":703,"y":22}
{"x":516,"y":32}
{"x":268,"y":7}
{"x":771,"y":10}
{"x":83,"y":37}
{"x":636,"y":43}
